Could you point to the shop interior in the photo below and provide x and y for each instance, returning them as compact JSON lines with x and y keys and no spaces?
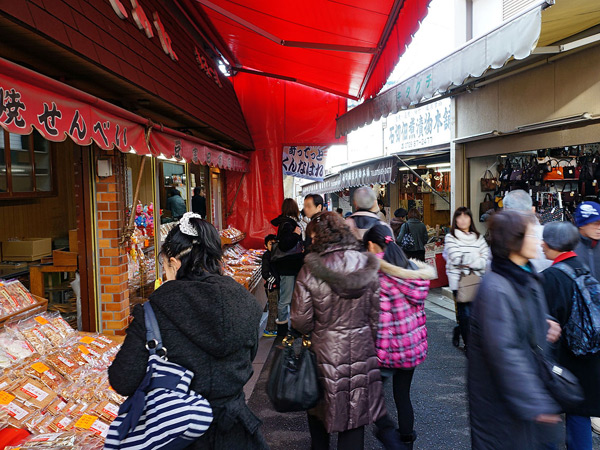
{"x":556,"y":178}
{"x":41,"y":204}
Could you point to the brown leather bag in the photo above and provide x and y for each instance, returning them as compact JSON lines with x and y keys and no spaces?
{"x":488,"y":183}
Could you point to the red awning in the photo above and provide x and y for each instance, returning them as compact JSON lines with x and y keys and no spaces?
{"x":348,"y":47}
{"x":57,"y":111}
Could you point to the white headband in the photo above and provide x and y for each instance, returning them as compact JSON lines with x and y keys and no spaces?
{"x":185,"y":226}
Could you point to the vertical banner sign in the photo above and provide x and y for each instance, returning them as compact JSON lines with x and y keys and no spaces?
{"x":305,"y":161}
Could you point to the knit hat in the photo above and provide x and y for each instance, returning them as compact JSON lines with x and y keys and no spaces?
{"x":587,"y":212}
{"x":400,"y":212}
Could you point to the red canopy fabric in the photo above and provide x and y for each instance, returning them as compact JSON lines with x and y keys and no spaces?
{"x":277,"y":112}
{"x":347,"y":47}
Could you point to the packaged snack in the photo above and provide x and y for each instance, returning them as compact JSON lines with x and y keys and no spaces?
{"x":34,"y":393}
{"x":89,"y":422}
{"x":68,"y":440}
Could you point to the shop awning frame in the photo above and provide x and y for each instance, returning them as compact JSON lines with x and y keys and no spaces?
{"x":514,"y":39}
{"x":57,"y":111}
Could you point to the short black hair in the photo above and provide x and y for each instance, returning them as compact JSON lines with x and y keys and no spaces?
{"x":269,"y":238}
{"x":317,"y":200}
{"x":507,"y":232}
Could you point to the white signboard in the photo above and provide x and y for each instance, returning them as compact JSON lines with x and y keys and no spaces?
{"x":304,"y":161}
{"x":423,"y":127}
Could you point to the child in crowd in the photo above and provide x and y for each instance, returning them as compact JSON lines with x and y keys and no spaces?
{"x":271,"y":287}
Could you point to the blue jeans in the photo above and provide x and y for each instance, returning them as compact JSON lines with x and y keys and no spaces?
{"x":286,"y":290}
{"x":579,"y":432}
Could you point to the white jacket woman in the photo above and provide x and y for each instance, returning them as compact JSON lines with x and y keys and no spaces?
{"x":467,"y":251}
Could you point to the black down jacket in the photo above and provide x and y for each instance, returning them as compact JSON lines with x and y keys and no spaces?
{"x":209,"y":325}
{"x":506,"y":393}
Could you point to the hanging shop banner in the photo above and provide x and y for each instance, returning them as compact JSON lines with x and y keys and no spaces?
{"x":182,"y":147}
{"x":56,"y":116}
{"x":426,"y":126}
{"x":382,"y":171}
{"x":304,"y":161}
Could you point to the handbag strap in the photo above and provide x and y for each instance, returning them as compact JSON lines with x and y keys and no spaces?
{"x":153,"y":337}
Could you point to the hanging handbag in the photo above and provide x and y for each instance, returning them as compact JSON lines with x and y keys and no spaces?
{"x":293,"y":382}
{"x":163,"y":413}
{"x":487,"y":204}
{"x":568,"y":170}
{"x":569,"y":196}
{"x":562,"y":384}
{"x":468,"y":284}
{"x":555,"y":173}
{"x":517,"y":172}
{"x":488,"y":183}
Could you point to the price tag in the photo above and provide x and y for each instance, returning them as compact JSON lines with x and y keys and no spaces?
{"x":6,"y":398}
{"x":83,"y":349}
{"x":87,"y":339}
{"x":41,"y":320}
{"x":40,"y":367}
{"x":85,"y":421}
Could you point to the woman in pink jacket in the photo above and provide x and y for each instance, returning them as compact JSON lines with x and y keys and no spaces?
{"x":402,"y":335}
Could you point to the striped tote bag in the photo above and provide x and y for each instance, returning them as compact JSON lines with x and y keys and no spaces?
{"x":163,"y":413}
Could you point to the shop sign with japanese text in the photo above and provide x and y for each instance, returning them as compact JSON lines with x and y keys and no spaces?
{"x":426,"y":126}
{"x":304,"y":161}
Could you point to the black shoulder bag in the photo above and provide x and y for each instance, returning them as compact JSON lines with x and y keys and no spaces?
{"x":562,"y":384}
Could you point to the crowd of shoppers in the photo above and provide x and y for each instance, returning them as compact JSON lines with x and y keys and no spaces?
{"x":356,"y":287}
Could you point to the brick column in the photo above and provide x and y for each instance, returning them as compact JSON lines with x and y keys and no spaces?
{"x":112,"y":259}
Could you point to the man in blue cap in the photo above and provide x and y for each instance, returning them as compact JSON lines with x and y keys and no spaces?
{"x":587,"y":219}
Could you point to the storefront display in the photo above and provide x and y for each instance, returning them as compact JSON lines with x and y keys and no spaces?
{"x":558,"y":179}
{"x":55,"y":379}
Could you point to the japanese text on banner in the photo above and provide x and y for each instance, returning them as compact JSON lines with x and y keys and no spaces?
{"x":305,"y":161}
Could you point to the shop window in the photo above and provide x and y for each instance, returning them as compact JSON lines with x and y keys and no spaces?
{"x":26,"y":166}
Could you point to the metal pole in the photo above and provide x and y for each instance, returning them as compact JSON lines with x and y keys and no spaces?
{"x":420,"y":178}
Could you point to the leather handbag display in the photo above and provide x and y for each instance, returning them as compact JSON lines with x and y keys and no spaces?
{"x":293,"y":382}
{"x":568,"y":170}
{"x":487,"y":204}
{"x":569,"y":195}
{"x":556,"y":171}
{"x":488,"y":183}
{"x":467,"y":287}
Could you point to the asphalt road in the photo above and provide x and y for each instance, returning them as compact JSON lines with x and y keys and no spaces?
{"x":438,"y":395}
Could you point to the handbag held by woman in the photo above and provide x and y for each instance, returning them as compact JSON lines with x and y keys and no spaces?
{"x":293,"y":382}
{"x":468,"y":284}
{"x":163,"y":413}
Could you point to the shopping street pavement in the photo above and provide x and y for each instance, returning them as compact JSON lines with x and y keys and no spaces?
{"x":438,"y":394}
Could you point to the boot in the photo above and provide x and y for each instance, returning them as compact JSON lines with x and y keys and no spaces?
{"x":282,"y":330}
{"x":408,"y":440}
{"x":390,"y":438}
{"x":456,"y":336}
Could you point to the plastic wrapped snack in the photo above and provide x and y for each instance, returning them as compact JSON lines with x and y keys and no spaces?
{"x":69,"y":440}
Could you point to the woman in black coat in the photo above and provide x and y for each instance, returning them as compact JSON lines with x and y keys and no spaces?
{"x":560,"y":239}
{"x":209,"y":324}
{"x":509,"y":403}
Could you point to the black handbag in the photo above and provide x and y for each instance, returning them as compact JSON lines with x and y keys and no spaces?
{"x":562,"y":384}
{"x":293,"y":382}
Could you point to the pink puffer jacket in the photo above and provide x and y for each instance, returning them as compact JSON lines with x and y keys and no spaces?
{"x":402,"y":334}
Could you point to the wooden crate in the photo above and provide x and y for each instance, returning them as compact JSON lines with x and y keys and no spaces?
{"x":39,"y":307}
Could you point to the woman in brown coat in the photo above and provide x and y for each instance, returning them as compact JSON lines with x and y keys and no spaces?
{"x":336,"y":301}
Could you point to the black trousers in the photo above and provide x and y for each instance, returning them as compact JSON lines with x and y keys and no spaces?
{"x":347,"y":440}
{"x":402,"y":380}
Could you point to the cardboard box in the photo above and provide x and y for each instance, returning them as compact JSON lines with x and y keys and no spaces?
{"x":73,"y":241}
{"x":30,"y":249}
{"x":61,"y":258}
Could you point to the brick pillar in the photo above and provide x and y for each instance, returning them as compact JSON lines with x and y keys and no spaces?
{"x":113,"y":276}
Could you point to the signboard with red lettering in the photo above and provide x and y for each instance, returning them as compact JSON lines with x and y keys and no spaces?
{"x":24,"y":107}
